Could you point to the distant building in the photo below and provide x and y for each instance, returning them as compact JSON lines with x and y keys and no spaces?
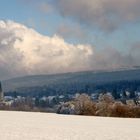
{"x":1,"y":93}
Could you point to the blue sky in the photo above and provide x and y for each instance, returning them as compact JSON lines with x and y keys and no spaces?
{"x":110,"y":27}
{"x":27,"y":14}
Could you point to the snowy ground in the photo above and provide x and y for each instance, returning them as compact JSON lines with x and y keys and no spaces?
{"x":43,"y":126}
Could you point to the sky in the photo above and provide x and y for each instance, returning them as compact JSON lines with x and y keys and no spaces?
{"x":57,"y":36}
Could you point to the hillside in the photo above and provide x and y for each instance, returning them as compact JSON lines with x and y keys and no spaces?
{"x":68,"y":79}
{"x":43,"y":126}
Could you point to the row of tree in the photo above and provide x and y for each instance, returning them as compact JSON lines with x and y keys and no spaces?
{"x":68,"y":88}
{"x":105,"y":106}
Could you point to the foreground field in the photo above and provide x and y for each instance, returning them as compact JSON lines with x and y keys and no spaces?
{"x":43,"y":126}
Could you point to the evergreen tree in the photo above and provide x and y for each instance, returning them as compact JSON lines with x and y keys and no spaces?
{"x":37,"y":101}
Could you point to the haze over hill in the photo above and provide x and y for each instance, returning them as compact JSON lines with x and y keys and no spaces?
{"x":89,"y":77}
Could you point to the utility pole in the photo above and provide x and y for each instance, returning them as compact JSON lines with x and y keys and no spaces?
{"x":1,"y":93}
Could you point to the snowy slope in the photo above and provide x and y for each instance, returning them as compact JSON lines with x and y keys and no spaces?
{"x":43,"y":126}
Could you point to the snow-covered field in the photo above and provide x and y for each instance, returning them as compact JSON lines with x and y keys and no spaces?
{"x":44,"y":126}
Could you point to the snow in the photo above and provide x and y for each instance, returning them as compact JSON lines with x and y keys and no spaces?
{"x":45,"y":126}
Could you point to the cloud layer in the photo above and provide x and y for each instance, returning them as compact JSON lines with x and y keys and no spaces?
{"x":74,"y":32}
{"x":24,"y":51}
{"x":105,"y":14}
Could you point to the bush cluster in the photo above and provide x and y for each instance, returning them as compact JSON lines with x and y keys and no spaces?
{"x":105,"y":106}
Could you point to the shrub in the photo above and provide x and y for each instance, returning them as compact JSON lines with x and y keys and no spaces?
{"x":84,"y":105}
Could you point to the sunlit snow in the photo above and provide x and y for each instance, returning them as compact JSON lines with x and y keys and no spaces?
{"x":44,"y":126}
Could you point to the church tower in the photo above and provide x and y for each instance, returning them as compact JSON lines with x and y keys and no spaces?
{"x":1,"y":93}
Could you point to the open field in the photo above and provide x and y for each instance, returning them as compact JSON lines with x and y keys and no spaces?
{"x":44,"y":126}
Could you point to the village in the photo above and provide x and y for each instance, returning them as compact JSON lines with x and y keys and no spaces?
{"x":54,"y":103}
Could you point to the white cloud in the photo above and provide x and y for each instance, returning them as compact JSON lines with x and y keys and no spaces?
{"x":24,"y":51}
